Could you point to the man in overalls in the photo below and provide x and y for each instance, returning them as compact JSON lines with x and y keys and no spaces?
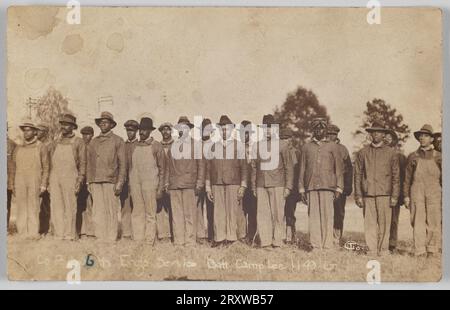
{"x":106,"y":173}
{"x":272,"y":187}
{"x":226,"y":181}
{"x":126,"y":201}
{"x":146,"y":182}
{"x":42,"y":135}
{"x":85,"y":225}
{"x":31,"y":172}
{"x":68,"y":171}
{"x":423,"y":194}
{"x":185,"y":178}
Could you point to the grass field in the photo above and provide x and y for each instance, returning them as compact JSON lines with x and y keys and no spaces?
{"x":47,"y":259}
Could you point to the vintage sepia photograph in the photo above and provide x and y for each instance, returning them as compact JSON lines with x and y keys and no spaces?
{"x":224,"y":144}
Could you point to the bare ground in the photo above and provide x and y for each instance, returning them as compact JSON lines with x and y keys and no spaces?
{"x":47,"y":259}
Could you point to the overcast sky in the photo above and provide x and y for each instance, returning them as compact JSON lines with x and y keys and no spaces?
{"x":168,"y":62}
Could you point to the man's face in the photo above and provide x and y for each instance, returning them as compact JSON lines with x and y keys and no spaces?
{"x":425,"y":140}
{"x":166,"y":133}
{"x":41,"y":134}
{"x":87,"y":137}
{"x":378,"y":136}
{"x":226,"y":132}
{"x":332,"y":137}
{"x":131,"y":133}
{"x":29,"y":133}
{"x":183,"y":130}
{"x":438,"y":144}
{"x":319,"y":132}
{"x":66,"y":129}
{"x":105,"y":126}
{"x":144,"y":134}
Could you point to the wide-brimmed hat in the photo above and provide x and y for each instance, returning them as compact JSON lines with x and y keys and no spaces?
{"x":106,"y":115}
{"x":437,"y":135}
{"x":27,"y":124}
{"x":131,"y":124}
{"x":245,"y":125}
{"x":319,"y":122}
{"x":333,"y":129}
{"x":163,"y":125}
{"x":377,"y":125}
{"x":42,"y":127}
{"x":69,"y":119}
{"x":269,"y":120}
{"x":224,"y":121}
{"x":426,"y":129}
{"x":146,"y":123}
{"x":87,"y":130}
{"x":286,"y":133}
{"x":186,"y":121}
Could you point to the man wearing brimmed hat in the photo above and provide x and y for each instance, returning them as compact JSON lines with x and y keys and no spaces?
{"x":437,"y":143}
{"x":339,"y":204}
{"x":126,"y":201}
{"x":163,"y":216}
{"x":30,"y":168}
{"x":42,"y":135}
{"x":272,"y":185}
{"x":423,"y":194}
{"x":67,"y":174}
{"x":321,"y":181}
{"x":391,"y":140}
{"x":377,"y":188}
{"x":85,"y":225}
{"x":185,"y":177}
{"x":146,"y":182}
{"x":106,"y":175}
{"x":293,"y":198}
{"x":249,"y":200}
{"x":226,"y":181}
{"x":204,"y":204}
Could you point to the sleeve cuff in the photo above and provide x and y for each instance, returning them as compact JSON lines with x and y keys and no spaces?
{"x":244,"y":184}
{"x":339,"y":190}
{"x":301,"y":190}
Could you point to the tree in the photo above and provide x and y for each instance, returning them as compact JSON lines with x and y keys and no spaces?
{"x":378,"y":109}
{"x":49,"y":109}
{"x":297,"y":112}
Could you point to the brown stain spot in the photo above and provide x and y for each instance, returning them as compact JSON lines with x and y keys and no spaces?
{"x":37,"y":21}
{"x":115,"y":42}
{"x":72,"y":44}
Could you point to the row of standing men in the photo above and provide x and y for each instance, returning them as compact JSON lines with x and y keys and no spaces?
{"x":139,"y":190}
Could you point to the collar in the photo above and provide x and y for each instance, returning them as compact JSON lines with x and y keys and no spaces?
{"x":165,"y":143}
{"x":319,"y":141}
{"x":68,"y":137}
{"x":428,"y":148}
{"x":34,"y":140}
{"x":131,"y":141}
{"x":108,"y":134}
{"x":381,"y":144}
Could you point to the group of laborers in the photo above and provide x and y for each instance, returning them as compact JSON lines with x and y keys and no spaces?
{"x":139,"y":189}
